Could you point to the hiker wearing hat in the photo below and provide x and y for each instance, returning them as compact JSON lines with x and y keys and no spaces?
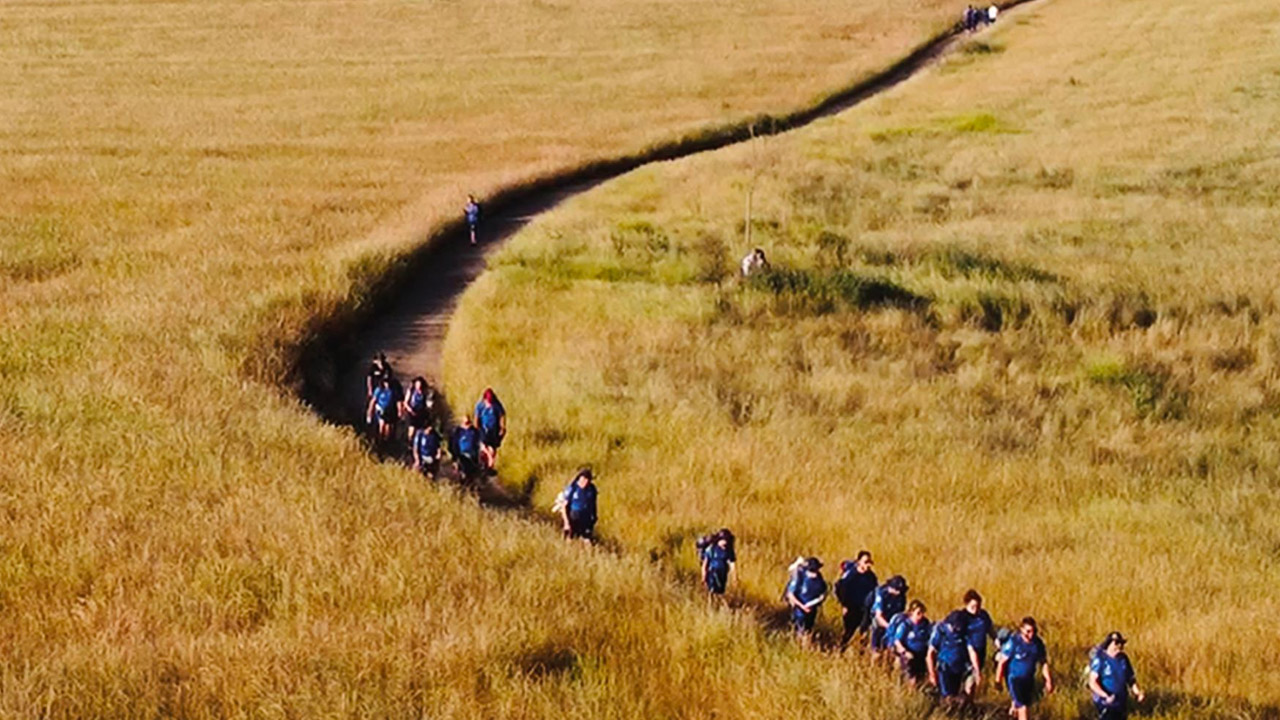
{"x":1021,"y":654}
{"x":805,"y":595}
{"x":908,"y":636}
{"x":491,"y":418}
{"x":857,"y":582}
{"x":718,"y":559}
{"x":578,"y":510}
{"x":951,"y":656}
{"x":1111,"y":679}
{"x":888,"y":600}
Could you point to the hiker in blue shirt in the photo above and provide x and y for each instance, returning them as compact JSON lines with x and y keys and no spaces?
{"x":472,"y":213}
{"x":1111,"y":678}
{"x":805,"y":594}
{"x":981,"y":628}
{"x":416,"y":408}
{"x":908,"y":636}
{"x":857,"y":581}
{"x":382,"y":408}
{"x":718,"y":559}
{"x":888,"y":600}
{"x":464,"y":446}
{"x":491,"y":418}
{"x":578,"y":510}
{"x":1019,"y":657}
{"x":426,"y":451}
{"x":952,"y":656}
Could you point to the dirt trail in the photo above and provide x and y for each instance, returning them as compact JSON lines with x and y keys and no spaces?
{"x":411,"y":323}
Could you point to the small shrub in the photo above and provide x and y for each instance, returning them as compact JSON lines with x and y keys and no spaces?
{"x":1151,"y":387}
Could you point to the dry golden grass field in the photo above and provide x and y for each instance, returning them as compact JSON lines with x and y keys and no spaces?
{"x":1022,"y":334}
{"x":186,"y":187}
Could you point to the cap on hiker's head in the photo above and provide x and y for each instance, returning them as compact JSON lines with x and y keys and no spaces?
{"x":899,"y":583}
{"x":1114,"y":637}
{"x":812,"y":564}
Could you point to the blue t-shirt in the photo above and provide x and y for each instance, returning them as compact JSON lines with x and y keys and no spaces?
{"x":888,"y":604}
{"x":1115,"y":675}
{"x":979,"y":630}
{"x":427,"y":444}
{"x":914,"y":636}
{"x":466,"y":440}
{"x":417,"y":400}
{"x":581,"y":501}
{"x":383,"y":399}
{"x":487,"y":416}
{"x":808,"y":588}
{"x":472,"y":211}
{"x":718,"y":558}
{"x":952,"y":645}
{"x":1024,"y":656}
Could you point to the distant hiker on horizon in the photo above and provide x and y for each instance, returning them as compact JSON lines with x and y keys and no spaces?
{"x":464,"y":446}
{"x":472,"y":213}
{"x":577,"y":504}
{"x":491,"y":418}
{"x":1021,"y":654}
{"x":806,"y":592}
{"x":416,"y":408}
{"x":754,"y":262}
{"x":1111,"y":679}
{"x":970,"y":18}
{"x":856,"y":584}
{"x":718,"y":557}
{"x":381,"y":412}
{"x":426,"y":451}
{"x":908,"y":636}
{"x":952,"y":657}
{"x":888,"y":600}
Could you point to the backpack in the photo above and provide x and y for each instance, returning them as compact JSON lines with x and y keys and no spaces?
{"x":793,"y":576}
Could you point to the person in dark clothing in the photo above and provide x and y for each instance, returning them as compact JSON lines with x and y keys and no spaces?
{"x":464,"y":446}
{"x":857,"y":581}
{"x":378,"y":369}
{"x":472,"y":212}
{"x":805,"y":594}
{"x":1111,"y":679}
{"x":951,"y":656}
{"x":578,"y":510}
{"x":1019,"y":658}
{"x":981,"y":629}
{"x":718,"y":559}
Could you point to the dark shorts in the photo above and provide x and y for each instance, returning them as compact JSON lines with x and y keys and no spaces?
{"x":416,"y":419}
{"x":803,"y":621}
{"x":916,"y":668}
{"x":1111,"y":712}
{"x":951,"y":680}
{"x":467,"y":465}
{"x":581,"y":526}
{"x":493,"y":438}
{"x":1022,"y":690}
{"x":389,"y":415}
{"x":717,"y":580}
{"x":429,"y":467}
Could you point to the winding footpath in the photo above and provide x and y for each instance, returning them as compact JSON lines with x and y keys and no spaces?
{"x":410,"y":323}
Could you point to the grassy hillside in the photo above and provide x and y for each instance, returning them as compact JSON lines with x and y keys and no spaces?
{"x":1022,"y":335}
{"x":185,"y":187}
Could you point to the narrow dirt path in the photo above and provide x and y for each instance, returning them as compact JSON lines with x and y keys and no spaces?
{"x":410,"y":324}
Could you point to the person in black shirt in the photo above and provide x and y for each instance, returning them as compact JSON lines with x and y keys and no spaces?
{"x":857,"y":581}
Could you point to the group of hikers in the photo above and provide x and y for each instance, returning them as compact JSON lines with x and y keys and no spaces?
{"x":975,"y":18}
{"x":473,"y":443}
{"x":949,"y":655}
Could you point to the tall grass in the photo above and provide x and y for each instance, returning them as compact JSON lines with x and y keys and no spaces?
{"x":185,"y":187}
{"x":1076,"y":412}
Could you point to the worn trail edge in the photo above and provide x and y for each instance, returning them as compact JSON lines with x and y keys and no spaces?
{"x":406,"y":314}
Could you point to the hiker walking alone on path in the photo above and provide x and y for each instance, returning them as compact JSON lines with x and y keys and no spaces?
{"x":856,"y":584}
{"x":805,"y":594}
{"x":491,"y":418}
{"x":718,"y":560}
{"x":472,"y":212}
{"x":426,"y":451}
{"x":888,"y":600}
{"x":980,"y":629}
{"x":464,"y":446}
{"x":908,"y":636}
{"x":578,"y":506}
{"x":952,"y":657}
{"x":1021,"y":654}
{"x":1111,"y":679}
